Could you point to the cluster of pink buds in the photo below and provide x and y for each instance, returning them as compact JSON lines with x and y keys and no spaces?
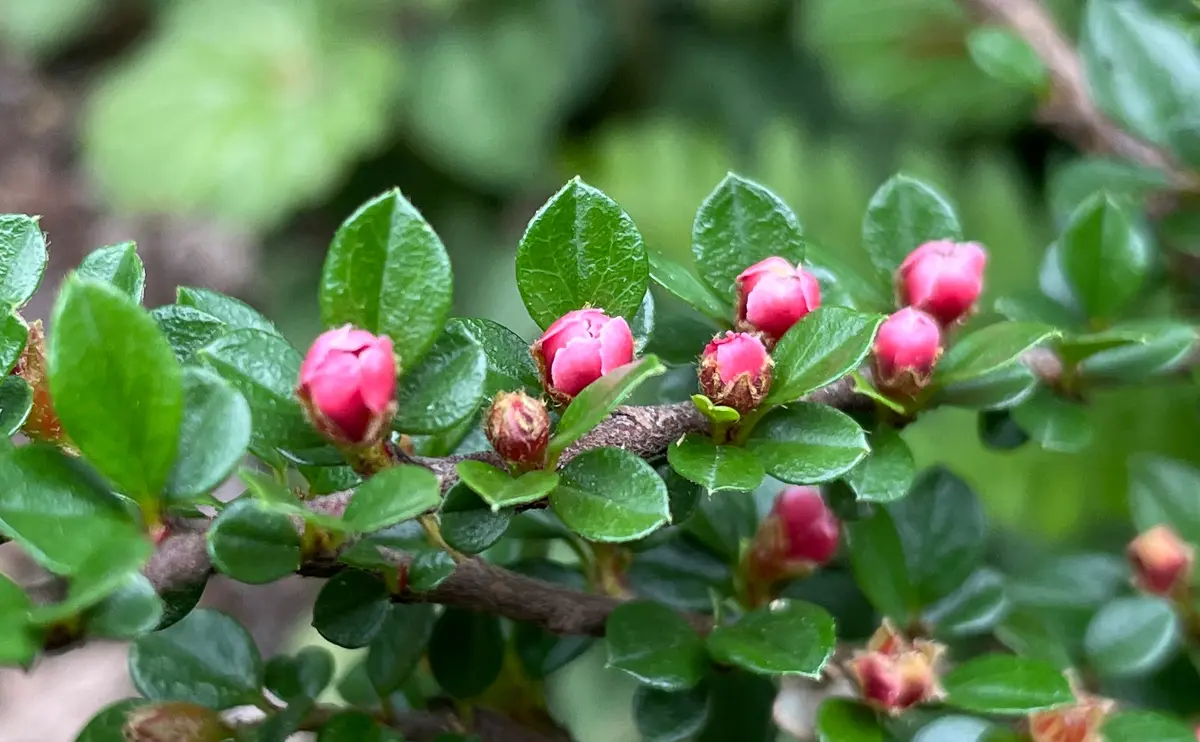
{"x":894,"y":674}
{"x":1162,"y":562}
{"x":799,"y":535}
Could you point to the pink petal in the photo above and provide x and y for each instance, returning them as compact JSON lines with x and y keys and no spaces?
{"x":776,"y":304}
{"x":740,"y":354}
{"x":564,"y":329}
{"x":616,"y":345}
{"x":576,"y":365}
{"x":773,"y":265}
{"x":378,"y":375}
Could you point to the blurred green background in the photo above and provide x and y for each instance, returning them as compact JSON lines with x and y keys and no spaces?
{"x":276,"y":118}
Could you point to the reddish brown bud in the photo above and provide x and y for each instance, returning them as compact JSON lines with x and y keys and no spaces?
{"x":175,"y":722}
{"x":735,"y":371}
{"x":518,"y":427}
{"x":1080,"y":722}
{"x":42,"y":423}
{"x":1161,"y":561}
{"x":895,"y":673}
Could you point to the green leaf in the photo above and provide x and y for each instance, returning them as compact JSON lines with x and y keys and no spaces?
{"x":581,"y":249}
{"x":654,"y":644}
{"x":252,"y":544}
{"x":1054,"y":423}
{"x":279,"y":498}
{"x":1005,"y":56}
{"x":459,"y":634}
{"x":787,"y":637}
{"x":351,"y":608}
{"x":1146,"y":726}
{"x":468,"y":523}
{"x":22,"y":258}
{"x":887,"y":472}
{"x":1132,"y":637}
{"x":386,"y":271}
{"x":186,"y":329}
{"x":665,"y":716}
{"x":1000,"y":389}
{"x":509,"y":365}
{"x":742,"y":223}
{"x":398,"y":647}
{"x":501,"y":490}
{"x":14,"y":333}
{"x":715,"y":412}
{"x":355,"y":726}
{"x":133,"y":609}
{"x":740,"y":708}
{"x":998,"y":430}
{"x":118,"y":265}
{"x":598,"y":399}
{"x":1025,"y":632}
{"x":1163,"y":491}
{"x":236,"y":314}
{"x":117,"y":387}
{"x":57,"y":510}
{"x":207,"y":658}
{"x":445,"y":388}
{"x":105,"y":570}
{"x":1076,"y":348}
{"x":429,"y":569}
{"x":956,"y":729}
{"x":108,"y":725}
{"x":1102,"y":257}
{"x":973,"y":608}
{"x":807,"y":443}
{"x":16,"y":401}
{"x":682,"y":282}
{"x":1004,"y":685}
{"x":541,"y":653}
{"x":394,"y":494}
{"x":610,"y":495}
{"x":904,"y":214}
{"x":827,"y":344}
{"x":213,"y":436}
{"x":715,"y":467}
{"x":19,"y":642}
{"x":1167,"y":345}
{"x":843,"y":720}
{"x":305,"y":675}
{"x":991,"y":348}
{"x":877,"y":556}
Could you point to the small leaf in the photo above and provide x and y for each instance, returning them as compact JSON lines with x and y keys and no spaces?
{"x":355,"y":726}
{"x":509,"y":364}
{"x":715,"y":467}
{"x":1005,"y":56}
{"x":598,"y":399}
{"x":207,"y":658}
{"x":904,"y":214}
{"x":109,"y":565}
{"x":14,"y":333}
{"x":303,"y":676}
{"x":808,"y":443}
{"x":827,"y":344}
{"x":398,"y":647}
{"x":739,"y":224}
{"x":1054,"y":423}
{"x":993,"y":347}
{"x":998,"y":430}
{"x":1146,"y":726}
{"x":1102,"y":257}
{"x":787,"y":637}
{"x":843,"y":720}
{"x":973,"y":608}
{"x":887,"y":472}
{"x":468,"y":523}
{"x":445,"y":388}
{"x":682,"y":282}
{"x":22,"y":258}
{"x":16,"y":401}
{"x":19,"y":642}
{"x":610,"y":495}
{"x":500,"y":490}
{"x":213,"y":436}
{"x":656,"y":645}
{"x":1005,"y":387}
{"x":394,"y":494}
{"x":1167,"y":345}
{"x":133,"y":609}
{"x":1132,"y":637}
{"x":877,"y":556}
{"x":1006,"y":686}
{"x":429,"y":569}
{"x":581,"y":249}
{"x":253,"y":545}
{"x":1076,"y":348}
{"x":351,"y":608}
{"x":666,"y":716}
{"x":237,"y":315}
{"x":118,"y":265}
{"x":460,"y":634}
{"x":1163,"y":491}
{"x":715,"y":412}
{"x":187,"y":329}
{"x":116,"y":385}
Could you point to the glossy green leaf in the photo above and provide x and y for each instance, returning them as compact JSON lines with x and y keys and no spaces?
{"x":1167,"y":344}
{"x":394,"y":494}
{"x":131,"y":610}
{"x":610,"y":495}
{"x":428,"y":569}
{"x":807,"y":443}
{"x":1102,"y":257}
{"x":786,"y":637}
{"x":715,"y":412}
{"x":22,"y":258}
{"x":118,"y":265}
{"x":902,"y":215}
{"x":1005,"y":685}
{"x":843,"y":720}
{"x":714,"y":467}
{"x":236,"y":314}
{"x":207,"y":658}
{"x":1146,"y":726}
{"x":667,"y":716}
{"x":116,"y":385}
{"x":1073,"y":349}
{"x":14,"y":333}
{"x":399,"y":645}
{"x":991,"y":348}
{"x":304,"y":675}
{"x":19,"y":641}
{"x":187,"y":329}
{"x":656,"y":645}
{"x":107,"y":725}
{"x":887,"y":472}
{"x":351,"y":608}
{"x":468,"y":523}
{"x":1132,"y":637}
{"x":375,"y":551}
{"x":974,"y":608}
{"x":107,"y":568}
{"x":600,"y":398}
{"x":880,"y":568}
{"x":1054,"y":423}
{"x":16,"y":401}
{"x":739,"y":224}
{"x":1002,"y":388}
{"x":682,"y":282}
{"x":386,"y":271}
{"x":252,"y":544}
{"x":213,"y":436}
{"x":641,"y":326}
{"x":355,"y":726}
{"x":1163,"y":491}
{"x":279,"y":498}
{"x":827,"y":344}
{"x":1006,"y":57}
{"x":500,"y":489}
{"x":740,"y":706}
{"x":581,"y":249}
{"x":509,"y":365}
{"x":445,"y":388}
{"x":679,"y":573}
{"x":459,"y":634}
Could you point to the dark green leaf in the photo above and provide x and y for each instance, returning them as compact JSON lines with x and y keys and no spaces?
{"x":213,"y":436}
{"x":207,"y":658}
{"x":445,"y":388}
{"x":842,"y":720}
{"x":787,"y":637}
{"x":237,"y":315}
{"x":396,"y":650}
{"x":133,"y":609}
{"x":680,"y":574}
{"x":429,"y":569}
{"x":1002,"y":388}
{"x":1132,"y":637}
{"x":1006,"y":57}
{"x":656,"y":645}
{"x":609,"y":494}
{"x":887,"y":472}
{"x":13,"y":335}
{"x":1184,"y":138}
{"x":16,"y":401}
{"x":827,"y":344}
{"x":1146,"y":726}
{"x":509,"y":365}
{"x":877,"y":556}
{"x":1102,"y":257}
{"x":187,"y":329}
{"x":108,"y":566}
{"x":541,"y":652}
{"x":303,"y":676}
{"x":683,"y":494}
{"x":973,"y":608}
{"x":19,"y":643}
{"x":1054,"y":423}
{"x":581,"y":249}
{"x":252,"y":544}
{"x":600,"y":398}
{"x":998,"y":430}
{"x":116,"y":385}
{"x":682,"y":282}
{"x":354,"y":726}
{"x":715,"y":467}
{"x":460,"y":634}
{"x":642,"y":324}
{"x":740,"y":709}
{"x":468,"y":523}
{"x":1167,"y":344}
{"x":178,"y":602}
{"x":902,"y":215}
{"x":22,"y":258}
{"x":742,"y":223}
{"x":991,"y":348}
{"x":118,"y":265}
{"x":666,"y":716}
{"x":1025,"y":632}
{"x":807,"y":443}
{"x":1006,"y":686}
{"x":367,"y":552}
{"x":107,"y":725}
{"x":1163,"y":491}
{"x":501,"y":490}
{"x":351,"y":608}
{"x":394,"y":494}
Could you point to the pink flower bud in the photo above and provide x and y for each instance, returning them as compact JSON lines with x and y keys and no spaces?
{"x":1162,"y":562}
{"x":907,"y":346}
{"x":772,"y":296}
{"x":580,"y":347}
{"x":797,"y":536}
{"x":735,"y":371}
{"x":895,"y":684}
{"x":175,"y":722}
{"x":942,"y":278}
{"x":518,"y":427}
{"x":1080,"y":722}
{"x":347,"y":385}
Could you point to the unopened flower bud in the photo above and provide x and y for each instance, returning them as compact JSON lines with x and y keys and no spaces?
{"x":797,"y":536}
{"x":518,"y":427}
{"x":735,"y":371}
{"x":895,"y":673}
{"x":348,"y":385}
{"x":1079,"y":722}
{"x":942,"y":278}
{"x":578,"y":348}
{"x":42,"y":424}
{"x":772,"y":295}
{"x":1161,"y":561}
{"x":906,"y":348}
{"x":175,"y":722}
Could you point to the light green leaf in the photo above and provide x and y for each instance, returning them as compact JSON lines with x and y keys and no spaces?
{"x":22,"y":258}
{"x":394,"y":494}
{"x":236,"y":314}
{"x":1132,"y":637}
{"x":118,"y":265}
{"x":989,"y":349}
{"x":1007,"y":57}
{"x":843,"y":720}
{"x":827,"y":344}
{"x":609,"y":494}
{"x":807,"y":443}
{"x":1102,"y":257}
{"x":1167,"y":344}
{"x":714,"y":467}
{"x":904,"y":214}
{"x":14,"y":333}
{"x":1146,"y":726}
{"x":213,"y":436}
{"x":501,"y":490}
{"x":16,"y":401}
{"x":598,"y":399}
{"x":1163,"y":491}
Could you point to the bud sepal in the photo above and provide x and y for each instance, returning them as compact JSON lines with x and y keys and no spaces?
{"x":735,"y":371}
{"x":518,"y":427}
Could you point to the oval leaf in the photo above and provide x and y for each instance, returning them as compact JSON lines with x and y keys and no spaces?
{"x":842,"y":720}
{"x":1005,"y":387}
{"x":988,"y":349}
{"x":16,"y":401}
{"x":887,"y":472}
{"x":715,"y":467}
{"x":877,"y":556}
{"x":827,"y":344}
{"x":351,"y":608}
{"x":118,"y":265}
{"x":213,"y":436}
{"x":234,"y":313}
{"x":656,"y":645}
{"x":187,"y":329}
{"x":664,"y":716}
{"x":468,"y":523}
{"x":1132,"y":637}
{"x":1146,"y":726}
{"x":252,"y":544}
{"x":1163,"y":491}
{"x":974,"y":608}
{"x":1005,"y":56}
{"x":609,"y":494}
{"x":1006,"y":686}
{"x":445,"y":388}
{"x":902,"y":215}
{"x":1102,"y":257}
{"x":509,"y":365}
{"x":22,"y":258}
{"x":598,"y":399}
{"x":787,"y":637}
{"x":683,"y":283}
{"x":808,"y":443}
{"x":500,"y":490}
{"x":458,"y":634}
{"x":394,"y":494}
